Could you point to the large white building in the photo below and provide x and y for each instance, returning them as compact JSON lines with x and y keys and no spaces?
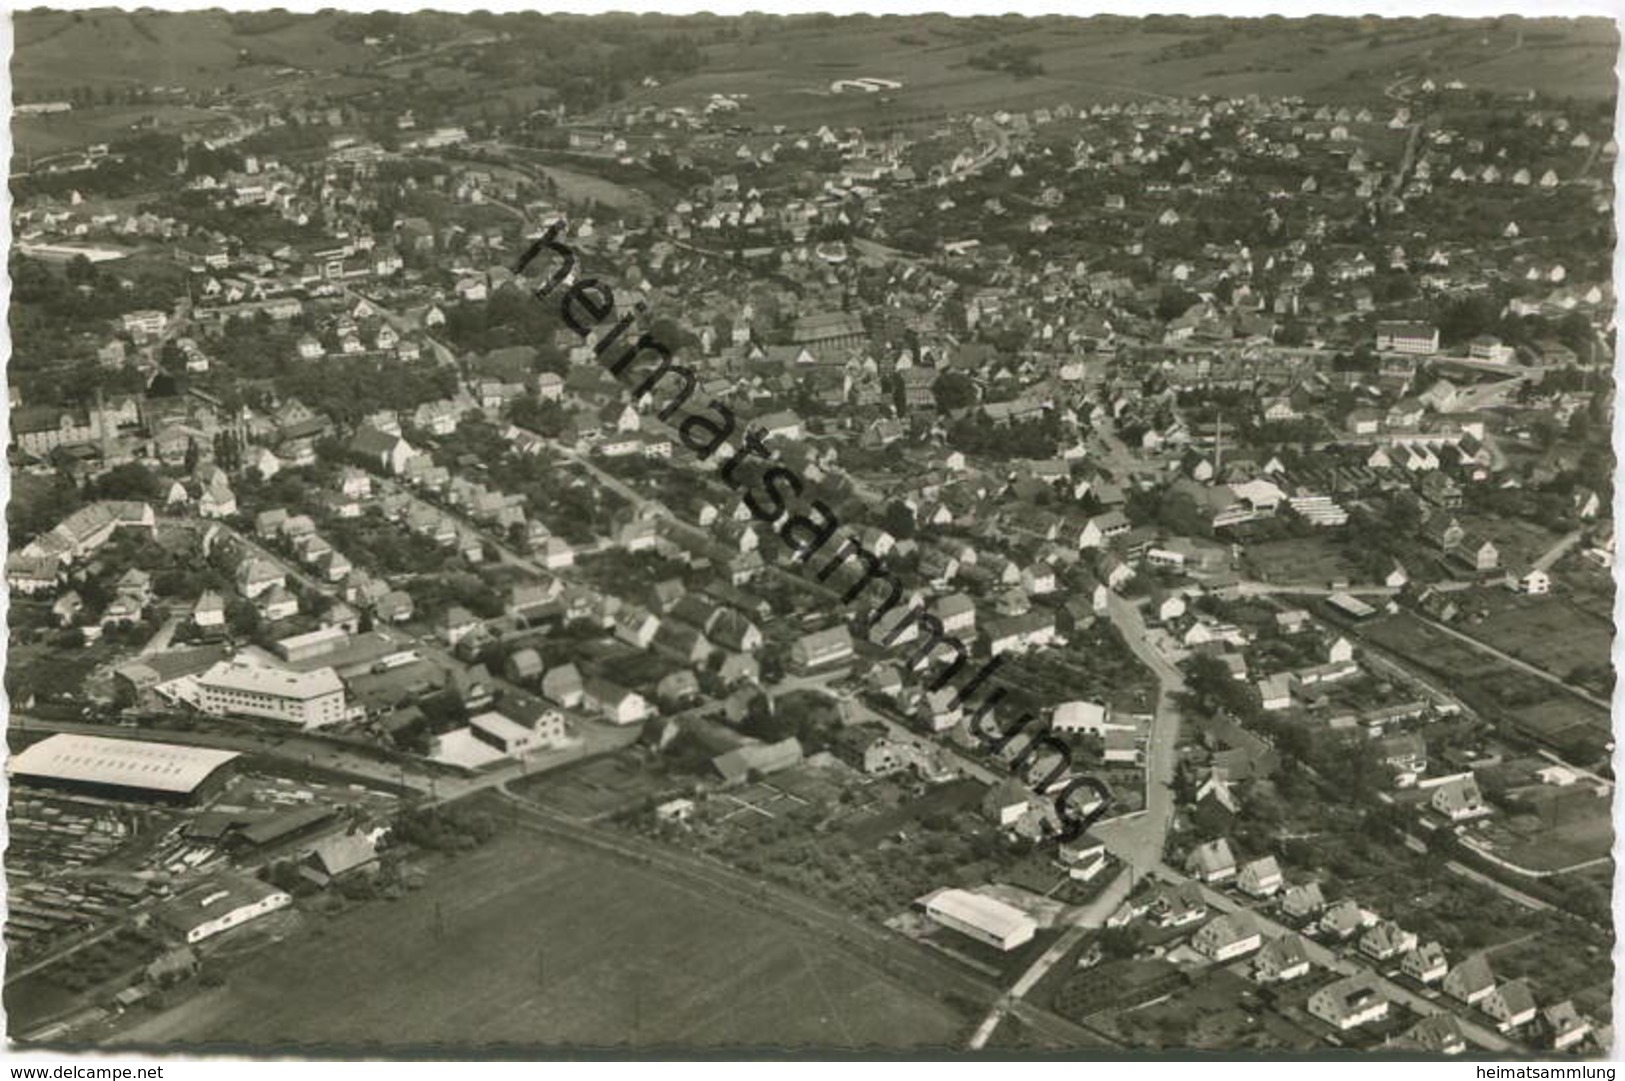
{"x":219,"y":904}
{"x":1400,"y":337}
{"x":124,"y":769}
{"x":309,"y":699}
{"x":510,"y":737}
{"x":1088,"y":719}
{"x":1002,"y":926}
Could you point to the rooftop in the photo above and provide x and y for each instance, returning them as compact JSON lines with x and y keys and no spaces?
{"x":131,"y":763}
{"x":255,"y":679}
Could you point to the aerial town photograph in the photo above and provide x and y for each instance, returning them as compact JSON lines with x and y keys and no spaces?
{"x":816,"y":534}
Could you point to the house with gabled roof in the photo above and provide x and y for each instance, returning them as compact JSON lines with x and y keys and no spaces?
{"x":1228,"y":936}
{"x":389,"y":453}
{"x":1177,"y":905}
{"x":1350,"y":1002}
{"x":1439,"y":1033}
{"x":342,"y":854}
{"x":1212,"y":862}
{"x":1282,"y":959}
{"x":563,"y":685}
{"x":1302,"y":901}
{"x":1471,"y":981}
{"x":1387,"y":939}
{"x":1564,"y":1025}
{"x":1343,"y":919}
{"x":1459,"y":799}
{"x":1260,"y":877}
{"x":617,"y":704}
{"x":636,"y":625}
{"x":1426,"y":963}
{"x":1511,"y":1004}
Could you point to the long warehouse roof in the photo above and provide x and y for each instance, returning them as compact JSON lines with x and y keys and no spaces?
{"x":130,"y":763}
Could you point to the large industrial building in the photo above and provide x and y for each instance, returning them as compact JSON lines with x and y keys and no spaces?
{"x":219,"y":904}
{"x":125,"y":769}
{"x":1002,"y":926}
{"x":309,"y":699}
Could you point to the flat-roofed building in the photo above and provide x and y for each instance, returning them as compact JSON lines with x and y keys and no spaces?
{"x":130,"y":769}
{"x":1002,"y":926}
{"x":316,"y":643}
{"x":1402,"y":337}
{"x":511,"y":737}
{"x":309,"y":699}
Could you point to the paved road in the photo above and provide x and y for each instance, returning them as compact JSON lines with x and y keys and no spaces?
{"x":1139,"y":840}
{"x":1557,"y":551}
{"x":1406,"y":159}
{"x":160,"y":641}
{"x":1515,"y":896}
{"x":1251,"y":588}
{"x":1028,"y":980}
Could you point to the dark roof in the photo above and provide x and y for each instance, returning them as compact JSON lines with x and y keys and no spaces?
{"x":286,"y":823}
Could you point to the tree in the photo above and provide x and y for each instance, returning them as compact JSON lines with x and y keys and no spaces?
{"x":954,"y":390}
{"x":242,"y":618}
{"x":898,"y":520}
{"x":1118,"y":943}
{"x":129,"y":481}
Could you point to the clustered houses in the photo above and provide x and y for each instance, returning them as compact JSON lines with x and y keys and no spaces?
{"x":1034,"y":411}
{"x":1278,"y":955}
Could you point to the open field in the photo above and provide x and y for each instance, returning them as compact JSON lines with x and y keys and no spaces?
{"x":1548,"y":632}
{"x":1569,"y":724}
{"x":56,"y":50}
{"x":1560,"y":847}
{"x":42,"y":135}
{"x":530,"y":942}
{"x":1306,"y":561}
{"x":787,"y":73}
{"x":1587,"y":586}
{"x":578,"y":185}
{"x":591,"y":789}
{"x":959,"y":795}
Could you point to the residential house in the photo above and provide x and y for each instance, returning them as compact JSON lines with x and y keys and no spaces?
{"x":1212,"y":862}
{"x":617,"y":704}
{"x":1471,"y":981}
{"x":564,"y":685}
{"x":822,"y":648}
{"x":1387,"y":940}
{"x":1511,"y":1004}
{"x":1564,"y":1025}
{"x":1459,"y":799}
{"x":1282,"y":959}
{"x":1426,"y":963}
{"x":1228,"y":936}
{"x":1349,"y":1002}
{"x":1260,"y":878}
{"x":1301,"y":902}
{"x":1438,"y":1033}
